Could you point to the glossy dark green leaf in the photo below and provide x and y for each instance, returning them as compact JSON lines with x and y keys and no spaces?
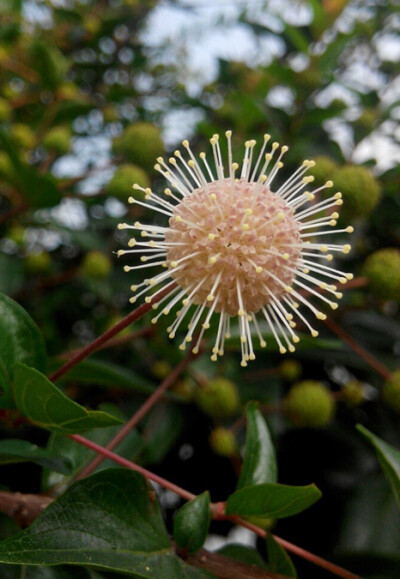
{"x":278,"y":559}
{"x":111,"y":521}
{"x":192,"y":522}
{"x":259,"y":463}
{"x":45,"y":405}
{"x":12,"y":450}
{"x":162,"y":430}
{"x":79,"y":456}
{"x":275,"y":501}
{"x":40,"y":572}
{"x":389,"y":459}
{"x":100,"y":373}
{"x":20,"y":341}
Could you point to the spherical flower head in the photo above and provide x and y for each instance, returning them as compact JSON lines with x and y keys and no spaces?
{"x":309,"y":404}
{"x":237,"y":247}
{"x":140,"y":144}
{"x":324,"y":168}
{"x":219,"y":397}
{"x":361,"y":191}
{"x":120,"y":184}
{"x":353,"y":393}
{"x":391,"y":392}
{"x":96,"y":265}
{"x":223,"y":442}
{"x":382,"y":268}
{"x":57,"y":139}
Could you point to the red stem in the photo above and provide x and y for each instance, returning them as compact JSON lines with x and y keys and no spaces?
{"x":128,"y":464}
{"x":186,"y":495}
{"x":90,"y":348}
{"x":362,"y":352}
{"x":149,"y":403}
{"x":336,"y":569}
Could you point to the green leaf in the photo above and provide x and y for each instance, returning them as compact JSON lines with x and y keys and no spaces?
{"x":100,"y":373}
{"x":62,"y":572}
{"x":20,"y":341}
{"x":13,"y":450}
{"x":79,"y":456}
{"x":278,"y":559}
{"x":192,"y":522}
{"x":162,"y":429}
{"x":389,"y":459}
{"x":275,"y":501}
{"x":45,"y":405}
{"x":259,"y":463}
{"x":111,"y":521}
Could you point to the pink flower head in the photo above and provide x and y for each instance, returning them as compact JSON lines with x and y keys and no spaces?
{"x":238,"y":247}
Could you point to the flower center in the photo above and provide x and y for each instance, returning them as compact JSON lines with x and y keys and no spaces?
{"x":240,"y":242}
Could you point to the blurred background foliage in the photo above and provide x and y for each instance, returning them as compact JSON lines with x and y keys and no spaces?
{"x":91,"y":92}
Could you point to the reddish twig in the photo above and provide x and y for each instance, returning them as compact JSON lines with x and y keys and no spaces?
{"x":128,"y":464}
{"x":95,"y":345}
{"x":358,"y":349}
{"x":319,"y":561}
{"x":150,"y":402}
{"x":215,"y":509}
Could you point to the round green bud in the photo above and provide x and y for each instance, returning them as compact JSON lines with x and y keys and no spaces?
{"x":290,"y":370}
{"x":38,"y":262}
{"x":323,"y":170}
{"x":218,"y":398}
{"x":353,"y":393}
{"x":391,"y":392}
{"x":140,"y":144}
{"x":6,"y":167}
{"x":361,"y":191}
{"x":161,"y":369}
{"x":223,"y":442}
{"x":17,"y":234}
{"x":96,"y":265}
{"x":23,"y":135}
{"x":125,"y":176}
{"x":5,"y":110}
{"x":68,"y":91}
{"x":382,"y":268}
{"x":57,"y":140}
{"x":185,"y":389}
{"x":309,"y":404}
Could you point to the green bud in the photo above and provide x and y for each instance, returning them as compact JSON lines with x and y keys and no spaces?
{"x":324,"y":168}
{"x":218,"y":398}
{"x":125,"y":176}
{"x":290,"y":370}
{"x":38,"y":263}
{"x":309,"y":404}
{"x":23,"y":135}
{"x":96,"y":265}
{"x":161,"y":369}
{"x":353,"y":393}
{"x":6,"y":167}
{"x":382,"y":269}
{"x":140,"y":144}
{"x":57,"y":139}
{"x":17,"y":234}
{"x":391,"y":392}
{"x":223,"y":442}
{"x":5,"y":110}
{"x":185,"y":389}
{"x":361,"y":191}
